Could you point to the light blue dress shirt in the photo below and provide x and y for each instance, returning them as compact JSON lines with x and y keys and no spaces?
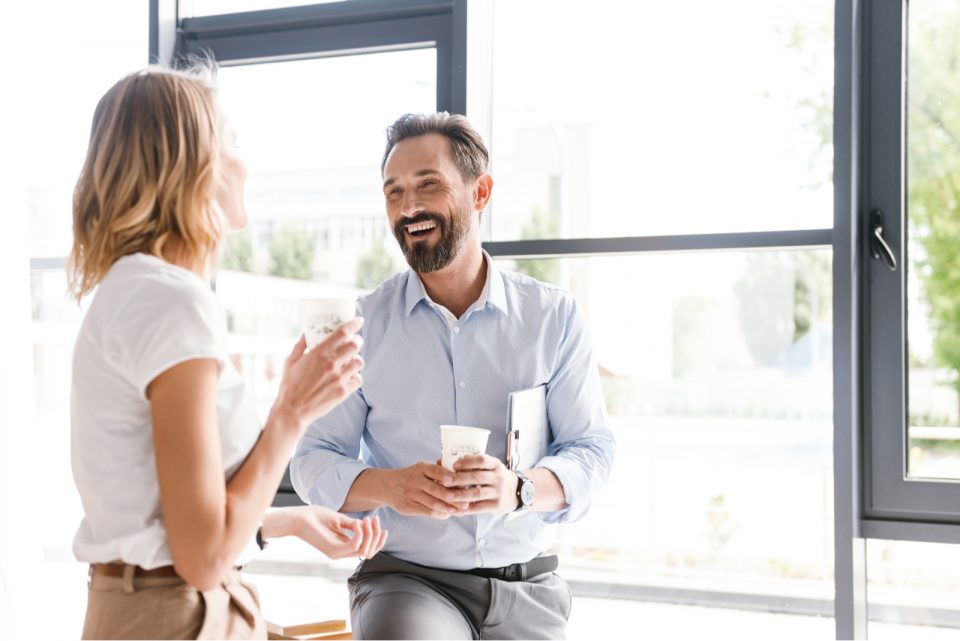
{"x":421,"y":373}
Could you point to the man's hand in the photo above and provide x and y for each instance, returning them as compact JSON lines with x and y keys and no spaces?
{"x":484,"y":483}
{"x":416,"y":491}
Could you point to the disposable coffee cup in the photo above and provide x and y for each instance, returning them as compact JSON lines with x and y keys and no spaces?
{"x":457,"y":441}
{"x":319,"y":317}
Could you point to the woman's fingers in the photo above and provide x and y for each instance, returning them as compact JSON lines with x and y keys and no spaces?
{"x":298,"y":349}
{"x":341,"y":335}
{"x":367,"y":538}
{"x":382,"y":541}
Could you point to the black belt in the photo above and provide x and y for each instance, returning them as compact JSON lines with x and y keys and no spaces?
{"x":519,"y":571}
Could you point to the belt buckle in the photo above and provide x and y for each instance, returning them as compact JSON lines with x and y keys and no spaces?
{"x":516,"y":572}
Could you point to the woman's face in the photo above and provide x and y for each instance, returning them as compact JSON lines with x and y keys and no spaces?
{"x":230,"y":183}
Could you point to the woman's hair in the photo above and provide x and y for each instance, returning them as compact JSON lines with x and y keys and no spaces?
{"x":149,"y":175}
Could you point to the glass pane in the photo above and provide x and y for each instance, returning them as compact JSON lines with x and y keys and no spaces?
{"x":618,"y":118}
{"x":718,"y":386}
{"x":933,"y":285}
{"x":196,"y":8}
{"x":312,"y":134}
{"x":913,"y":590}
{"x":61,"y":106}
{"x":719,"y":389}
{"x":63,"y":93}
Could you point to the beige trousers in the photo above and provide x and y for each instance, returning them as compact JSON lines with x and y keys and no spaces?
{"x":131,"y":607}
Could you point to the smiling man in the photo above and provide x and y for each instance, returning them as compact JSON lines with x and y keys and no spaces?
{"x":445,"y":343}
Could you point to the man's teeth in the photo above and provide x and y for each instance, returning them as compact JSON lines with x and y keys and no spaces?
{"x":421,"y":227}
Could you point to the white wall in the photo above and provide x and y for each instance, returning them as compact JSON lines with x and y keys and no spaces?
{"x":18,"y":550}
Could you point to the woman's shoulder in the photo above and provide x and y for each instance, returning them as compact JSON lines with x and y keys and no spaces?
{"x":143,"y":290}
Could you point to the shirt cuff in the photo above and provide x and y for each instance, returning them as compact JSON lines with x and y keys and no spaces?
{"x":329,"y":486}
{"x":576,"y":490}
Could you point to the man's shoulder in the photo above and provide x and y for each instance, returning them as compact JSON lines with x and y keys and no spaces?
{"x":529,"y":288}
{"x":386,"y":291}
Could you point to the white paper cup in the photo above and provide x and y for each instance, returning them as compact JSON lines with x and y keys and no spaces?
{"x":457,"y":441}
{"x":319,"y":317}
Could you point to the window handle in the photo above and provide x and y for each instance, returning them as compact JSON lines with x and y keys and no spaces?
{"x":879,"y":248}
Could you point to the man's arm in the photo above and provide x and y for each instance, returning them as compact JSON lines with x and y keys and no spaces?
{"x":412,"y":491}
{"x":581,"y":450}
{"x":325,"y":470}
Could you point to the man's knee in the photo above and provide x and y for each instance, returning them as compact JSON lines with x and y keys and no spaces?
{"x":397,"y":607}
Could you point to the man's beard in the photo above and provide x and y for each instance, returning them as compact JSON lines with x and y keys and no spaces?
{"x":424,"y":259}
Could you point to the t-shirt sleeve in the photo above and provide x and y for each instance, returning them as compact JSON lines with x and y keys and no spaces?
{"x":165,"y":325}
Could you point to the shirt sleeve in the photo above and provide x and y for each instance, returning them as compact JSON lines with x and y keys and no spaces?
{"x":170,"y":324}
{"x":326,"y":461}
{"x":581,"y":454}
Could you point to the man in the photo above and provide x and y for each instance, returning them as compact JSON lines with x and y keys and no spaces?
{"x":445,"y":343}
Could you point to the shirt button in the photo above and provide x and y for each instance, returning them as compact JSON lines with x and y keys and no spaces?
{"x":456,"y":330}
{"x":462,"y":384}
{"x":481,"y":542}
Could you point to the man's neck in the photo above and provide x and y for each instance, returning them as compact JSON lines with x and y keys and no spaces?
{"x":458,"y":285}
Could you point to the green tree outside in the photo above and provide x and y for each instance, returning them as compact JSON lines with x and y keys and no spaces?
{"x":934,"y":172}
{"x":238,"y":253}
{"x":291,"y":253}
{"x":375,"y":266}
{"x":540,"y":225}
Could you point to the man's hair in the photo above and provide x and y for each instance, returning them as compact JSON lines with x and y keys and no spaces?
{"x":467,"y":146}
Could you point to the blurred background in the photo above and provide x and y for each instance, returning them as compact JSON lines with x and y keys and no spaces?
{"x":604,"y":119}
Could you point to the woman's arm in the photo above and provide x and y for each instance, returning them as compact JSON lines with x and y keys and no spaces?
{"x":208,"y":522}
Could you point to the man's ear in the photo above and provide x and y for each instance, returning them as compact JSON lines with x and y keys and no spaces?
{"x":483,"y":187}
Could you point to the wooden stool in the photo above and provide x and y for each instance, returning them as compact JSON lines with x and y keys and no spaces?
{"x":333,"y":629}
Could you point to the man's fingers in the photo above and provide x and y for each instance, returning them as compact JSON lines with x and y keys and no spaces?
{"x":468,"y":479}
{"x":434,"y":472}
{"x":471,"y":494}
{"x":482,"y":506}
{"x":476,"y":462}
{"x":433,"y":506}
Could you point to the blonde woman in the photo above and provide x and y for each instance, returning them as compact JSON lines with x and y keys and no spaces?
{"x":174,"y":471}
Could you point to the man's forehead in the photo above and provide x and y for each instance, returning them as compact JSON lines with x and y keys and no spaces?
{"x":419,"y":153}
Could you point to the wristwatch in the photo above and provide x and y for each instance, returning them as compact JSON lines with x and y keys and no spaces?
{"x":526,"y":493}
{"x":261,"y":542}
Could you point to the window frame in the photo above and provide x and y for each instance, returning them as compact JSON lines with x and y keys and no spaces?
{"x":873,"y":498}
{"x":354,"y":27}
{"x":895,"y":506}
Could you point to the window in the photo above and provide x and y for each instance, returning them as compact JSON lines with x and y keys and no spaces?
{"x":933,"y":288}
{"x":718,"y":387}
{"x":658,"y":123}
{"x":657,"y":133}
{"x":912,"y":412}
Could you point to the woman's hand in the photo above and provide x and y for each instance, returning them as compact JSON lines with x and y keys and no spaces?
{"x":336,"y":535}
{"x":315,"y":382}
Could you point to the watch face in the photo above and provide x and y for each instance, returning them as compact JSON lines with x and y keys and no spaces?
{"x":526,"y":493}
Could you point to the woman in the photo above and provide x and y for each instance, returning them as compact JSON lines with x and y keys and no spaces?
{"x":173,"y":469}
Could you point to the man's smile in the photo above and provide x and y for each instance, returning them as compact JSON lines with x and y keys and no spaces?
{"x":419,"y":230}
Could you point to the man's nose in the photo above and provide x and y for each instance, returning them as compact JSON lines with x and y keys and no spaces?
{"x":410,"y":206}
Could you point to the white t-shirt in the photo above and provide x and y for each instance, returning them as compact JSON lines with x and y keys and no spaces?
{"x":147,"y":316}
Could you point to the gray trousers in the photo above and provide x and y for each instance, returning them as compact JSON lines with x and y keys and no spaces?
{"x":394,"y":599}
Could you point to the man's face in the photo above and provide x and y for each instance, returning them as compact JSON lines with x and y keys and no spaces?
{"x":428,"y":202}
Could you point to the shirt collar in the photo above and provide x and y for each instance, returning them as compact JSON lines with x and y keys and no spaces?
{"x":493,"y":289}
